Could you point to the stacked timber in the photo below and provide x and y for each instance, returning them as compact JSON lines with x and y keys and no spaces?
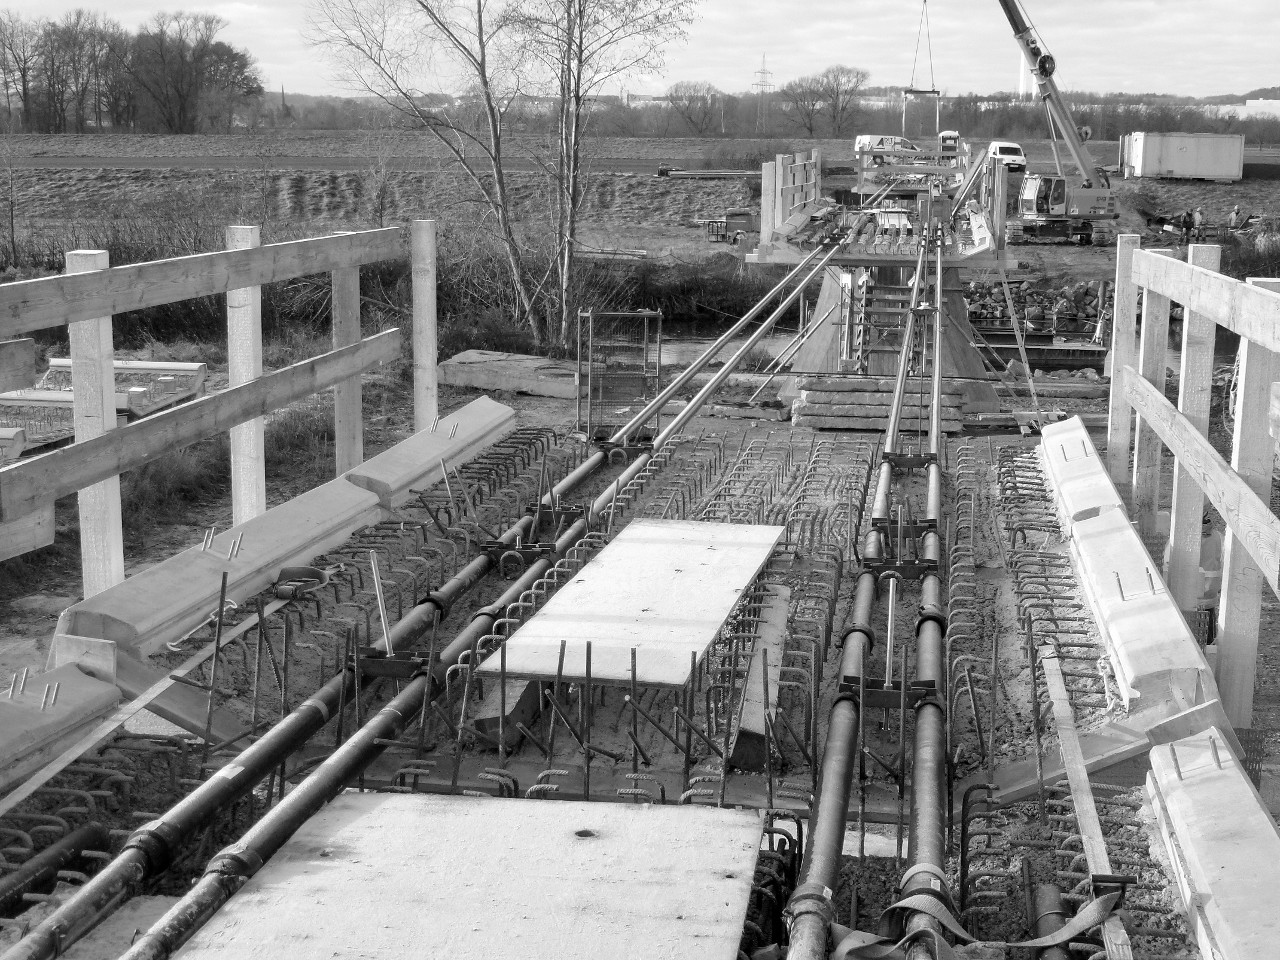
{"x":863,"y":403}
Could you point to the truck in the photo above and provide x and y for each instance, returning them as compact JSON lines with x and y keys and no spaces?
{"x":1183,"y":156}
{"x":1053,"y":207}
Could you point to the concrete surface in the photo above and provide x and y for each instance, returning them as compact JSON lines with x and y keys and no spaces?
{"x":515,"y":372}
{"x":1222,"y":844}
{"x":384,"y":876}
{"x":663,"y":587}
{"x":414,"y":463}
{"x":25,"y":728}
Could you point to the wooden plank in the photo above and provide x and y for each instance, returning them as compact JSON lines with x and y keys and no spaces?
{"x":569,"y":880}
{"x":56,"y":301}
{"x":1249,"y":310}
{"x":93,"y":382}
{"x":1114,"y":937}
{"x":1123,"y":334}
{"x":244,"y":363}
{"x":1195,"y":379}
{"x":426,"y":375}
{"x":1252,"y":457}
{"x":31,"y":484}
{"x":348,"y":414}
{"x":662,"y":587}
{"x":28,"y":533}
{"x":1247,"y":514}
{"x":17,"y":364}
{"x":750,"y":739}
{"x":1153,"y":349}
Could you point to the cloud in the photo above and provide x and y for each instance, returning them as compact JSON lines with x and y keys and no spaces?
{"x":1186,"y":47}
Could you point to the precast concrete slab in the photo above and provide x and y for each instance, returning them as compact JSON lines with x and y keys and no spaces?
{"x":662,"y":587}
{"x":516,"y":372}
{"x":172,"y":598}
{"x":382,"y":876}
{"x":42,"y":710}
{"x":1080,"y":480}
{"x":415,"y":462}
{"x":1223,"y":846}
{"x":1151,"y":648}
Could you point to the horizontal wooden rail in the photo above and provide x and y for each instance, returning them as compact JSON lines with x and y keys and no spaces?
{"x":56,"y":301}
{"x":1247,"y":310}
{"x":30,"y":484}
{"x":1245,"y":512}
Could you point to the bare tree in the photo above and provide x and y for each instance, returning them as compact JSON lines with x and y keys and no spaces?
{"x":582,"y":45}
{"x":494,"y":51}
{"x":21,"y":39}
{"x":839,"y":86}
{"x":386,"y":47}
{"x":170,"y":60}
{"x":694,"y":101}
{"x":803,"y":101}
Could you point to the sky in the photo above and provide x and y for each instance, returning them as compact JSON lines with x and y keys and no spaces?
{"x":1190,"y":47}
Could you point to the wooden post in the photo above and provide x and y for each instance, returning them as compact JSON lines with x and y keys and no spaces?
{"x":93,"y":384}
{"x":426,"y":378}
{"x":1123,"y":330}
{"x":1252,"y":453}
{"x":348,"y":415}
{"x":1195,"y":379}
{"x":1153,"y":353}
{"x":244,"y":363}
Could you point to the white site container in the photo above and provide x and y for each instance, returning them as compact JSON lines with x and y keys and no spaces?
{"x":1183,"y":156}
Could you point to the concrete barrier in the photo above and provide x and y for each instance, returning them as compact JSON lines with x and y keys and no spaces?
{"x":1151,"y":649}
{"x":172,"y":598}
{"x":1223,"y":846}
{"x":414,"y":463}
{"x":1078,"y":476}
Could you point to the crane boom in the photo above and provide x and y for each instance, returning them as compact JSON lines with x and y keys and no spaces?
{"x":1042,"y":68}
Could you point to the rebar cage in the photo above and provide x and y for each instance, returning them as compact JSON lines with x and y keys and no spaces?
{"x":619,"y":363}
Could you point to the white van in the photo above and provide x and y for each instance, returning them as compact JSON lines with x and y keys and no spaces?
{"x":1010,"y":154}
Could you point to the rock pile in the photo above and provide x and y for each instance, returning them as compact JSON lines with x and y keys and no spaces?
{"x":1069,"y":308}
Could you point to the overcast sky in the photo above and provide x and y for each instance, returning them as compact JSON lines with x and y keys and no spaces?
{"x":1195,"y":47}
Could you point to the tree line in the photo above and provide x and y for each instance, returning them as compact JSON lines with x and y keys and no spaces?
{"x":86,"y":73}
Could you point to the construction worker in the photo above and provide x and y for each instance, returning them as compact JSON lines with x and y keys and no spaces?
{"x":1197,"y":221}
{"x":1235,"y":219}
{"x":1185,"y":222}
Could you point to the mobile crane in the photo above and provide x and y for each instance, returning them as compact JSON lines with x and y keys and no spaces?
{"x":1051,"y":207}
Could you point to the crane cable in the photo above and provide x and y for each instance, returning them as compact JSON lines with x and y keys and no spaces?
{"x":923,"y":30}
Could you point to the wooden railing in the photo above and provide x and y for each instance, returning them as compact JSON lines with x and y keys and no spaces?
{"x":90,"y":293}
{"x":1239,"y":490}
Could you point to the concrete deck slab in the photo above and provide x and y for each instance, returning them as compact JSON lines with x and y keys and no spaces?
{"x":382,"y":876}
{"x":663,"y":587}
{"x":1222,"y":843}
{"x":414,"y":463}
{"x":516,"y":372}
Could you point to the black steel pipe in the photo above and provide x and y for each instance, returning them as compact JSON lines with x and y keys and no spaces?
{"x":1049,"y":919}
{"x":230,"y":869}
{"x":811,"y":908}
{"x":42,"y":868}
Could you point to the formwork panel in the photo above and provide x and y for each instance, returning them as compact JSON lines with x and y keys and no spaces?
{"x":395,"y":875}
{"x":663,"y":587}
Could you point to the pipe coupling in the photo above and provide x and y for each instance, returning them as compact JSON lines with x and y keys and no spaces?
{"x":811,"y":899}
{"x":156,"y":841}
{"x":932,"y":613}
{"x":441,"y":601}
{"x":235,"y":861}
{"x":863,"y":628}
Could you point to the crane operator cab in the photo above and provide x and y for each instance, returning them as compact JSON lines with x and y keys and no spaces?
{"x":1043,"y":197}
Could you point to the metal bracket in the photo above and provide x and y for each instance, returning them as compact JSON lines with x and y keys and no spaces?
{"x":910,"y":460}
{"x":907,"y":569}
{"x":907,"y":531}
{"x":375,"y":663}
{"x":295,"y":582}
{"x":876,"y":694}
{"x":629,"y":450}
{"x":1104,"y":883}
{"x":527,"y":552}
